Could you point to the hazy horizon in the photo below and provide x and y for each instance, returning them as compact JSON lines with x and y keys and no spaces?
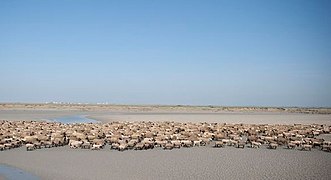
{"x":225,"y":53}
{"x":171,"y":105}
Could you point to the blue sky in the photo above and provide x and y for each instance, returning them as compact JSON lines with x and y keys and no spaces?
{"x":237,"y":53}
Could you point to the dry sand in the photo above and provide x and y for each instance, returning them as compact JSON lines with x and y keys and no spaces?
{"x":184,"y":163}
{"x":221,"y":117}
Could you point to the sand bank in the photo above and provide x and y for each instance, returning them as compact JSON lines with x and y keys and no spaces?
{"x":222,"y":117}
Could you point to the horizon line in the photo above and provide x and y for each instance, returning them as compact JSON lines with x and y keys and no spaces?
{"x":165,"y":105}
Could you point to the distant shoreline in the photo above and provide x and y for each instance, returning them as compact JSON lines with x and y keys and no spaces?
{"x":160,"y":108}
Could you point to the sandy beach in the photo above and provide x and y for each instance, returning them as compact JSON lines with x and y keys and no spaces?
{"x":184,"y":163}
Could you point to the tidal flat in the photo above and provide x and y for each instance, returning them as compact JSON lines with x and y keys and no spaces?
{"x":184,"y":163}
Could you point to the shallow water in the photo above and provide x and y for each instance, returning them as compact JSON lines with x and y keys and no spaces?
{"x":12,"y":173}
{"x":74,"y":119}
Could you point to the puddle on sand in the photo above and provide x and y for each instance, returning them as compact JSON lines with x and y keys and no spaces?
{"x":74,"y":119}
{"x":12,"y":173}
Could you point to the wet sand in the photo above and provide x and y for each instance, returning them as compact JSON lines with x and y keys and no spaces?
{"x":184,"y":163}
{"x":35,"y":115}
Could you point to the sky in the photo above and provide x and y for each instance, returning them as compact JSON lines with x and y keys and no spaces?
{"x":189,"y":52}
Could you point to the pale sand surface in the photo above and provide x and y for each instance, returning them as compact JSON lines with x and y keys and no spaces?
{"x":224,"y":117}
{"x":221,"y":117}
